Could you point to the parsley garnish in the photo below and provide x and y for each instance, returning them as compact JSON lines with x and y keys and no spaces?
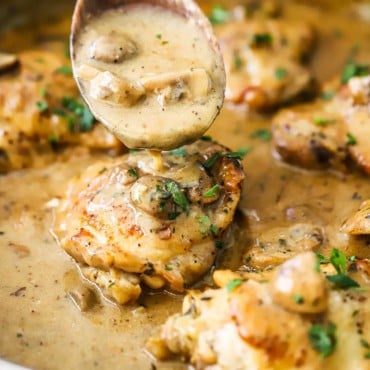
{"x":322,"y":259}
{"x":233,"y":284}
{"x":206,"y":138}
{"x":323,"y":339}
{"x":219,"y":244}
{"x":132,"y":172}
{"x":351,"y":140}
{"x":42,"y":92}
{"x":213,"y":229}
{"x":65,"y":70}
{"x":240,"y":153}
{"x":262,"y":39}
{"x":42,"y":106}
{"x":327,"y":95}
{"x":210,"y":162}
{"x":168,"y":268}
{"x":238,"y":62}
{"x":263,"y":134}
{"x":158,"y":36}
{"x":354,"y":70}
{"x":181,"y":152}
{"x":177,"y":195}
{"x":280,"y":73}
{"x":343,"y":281}
{"x":81,"y":119}
{"x":212,"y":191}
{"x":319,"y":121}
{"x":338,"y":260}
{"x":297,"y":298}
{"x":103,"y":170}
{"x":218,"y":15}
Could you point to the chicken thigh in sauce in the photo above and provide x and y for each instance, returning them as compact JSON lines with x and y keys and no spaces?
{"x":132,"y":219}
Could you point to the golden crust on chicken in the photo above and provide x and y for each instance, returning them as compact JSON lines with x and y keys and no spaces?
{"x":295,"y":319}
{"x":157,"y":218}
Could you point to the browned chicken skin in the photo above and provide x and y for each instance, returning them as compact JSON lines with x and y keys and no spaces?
{"x":263,"y":60}
{"x":40,"y":108}
{"x":160,"y":222}
{"x":269,"y":321}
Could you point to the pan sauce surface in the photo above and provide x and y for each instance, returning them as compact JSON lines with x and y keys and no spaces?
{"x":40,"y":326}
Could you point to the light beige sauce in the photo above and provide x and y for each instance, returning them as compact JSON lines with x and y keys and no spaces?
{"x":161,"y":87}
{"x":40,"y":327}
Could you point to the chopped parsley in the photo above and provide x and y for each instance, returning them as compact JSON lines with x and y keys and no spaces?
{"x":64,"y":70}
{"x":238,"y":62}
{"x":322,"y":339}
{"x":132,"y":172}
{"x":211,"y":161}
{"x":327,"y":95}
{"x":168,"y":268}
{"x":297,"y":298}
{"x":158,"y":36}
{"x":42,"y":106}
{"x":263,"y":134}
{"x":103,"y":170}
{"x":212,"y":191}
{"x":280,"y":73}
{"x":240,"y":153}
{"x":42,"y":92}
{"x":181,"y":152}
{"x":218,"y":15}
{"x":177,"y":195}
{"x":352,"y":69}
{"x":351,"y":140}
{"x":80,"y":118}
{"x":213,"y":229}
{"x":262,"y":39}
{"x":233,"y":284}
{"x":53,"y":140}
{"x":173,"y":215}
{"x":320,"y":121}
{"x":323,"y":260}
{"x":204,"y":221}
{"x":343,"y":281}
{"x":219,"y":244}
{"x":206,"y":138}
{"x":338,"y":260}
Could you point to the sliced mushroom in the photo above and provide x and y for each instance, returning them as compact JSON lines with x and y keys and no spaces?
{"x":7,"y":61}
{"x":359,"y":223}
{"x":112,"y":48}
{"x":299,"y":286}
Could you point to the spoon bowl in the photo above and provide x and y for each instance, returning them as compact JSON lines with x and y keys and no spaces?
{"x":168,"y":128}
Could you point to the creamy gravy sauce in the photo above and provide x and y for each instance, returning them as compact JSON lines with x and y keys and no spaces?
{"x":40,"y":327}
{"x":169,"y":79}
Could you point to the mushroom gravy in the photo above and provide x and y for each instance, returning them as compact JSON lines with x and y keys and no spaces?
{"x":150,"y":75}
{"x":40,"y":327}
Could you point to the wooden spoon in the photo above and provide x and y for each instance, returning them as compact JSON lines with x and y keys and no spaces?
{"x":161,"y":132}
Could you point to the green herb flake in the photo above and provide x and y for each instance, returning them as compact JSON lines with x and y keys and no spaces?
{"x":327,"y":95}
{"x":42,"y":92}
{"x":164,"y":42}
{"x":297,"y":298}
{"x":132,"y":172}
{"x":173,"y":215}
{"x":240,"y":153}
{"x":364,"y":343}
{"x":322,"y":339}
{"x":248,"y":259}
{"x":212,"y":191}
{"x":206,"y":138}
{"x":53,"y":139}
{"x":168,"y":268}
{"x":262,"y":39}
{"x":177,"y":195}
{"x":42,"y":106}
{"x":181,"y":152}
{"x":211,"y":161}
{"x":351,"y":140}
{"x":103,"y":170}
{"x":238,"y":62}
{"x":280,"y":73}
{"x":323,"y":260}
{"x":64,"y":70}
{"x":352,"y":258}
{"x":263,"y":134}
{"x":219,"y":244}
{"x":352,"y":69}
{"x":111,"y":284}
{"x":233,"y":284}
{"x":339,"y":261}
{"x":320,"y":121}
{"x":218,"y":15}
{"x":158,"y":36}
{"x":343,"y":281}
{"x":213,"y":229}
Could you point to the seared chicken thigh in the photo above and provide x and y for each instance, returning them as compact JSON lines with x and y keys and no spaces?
{"x":151,"y":218}
{"x":40,"y":108}
{"x":263,"y":60}
{"x":294,"y":319}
